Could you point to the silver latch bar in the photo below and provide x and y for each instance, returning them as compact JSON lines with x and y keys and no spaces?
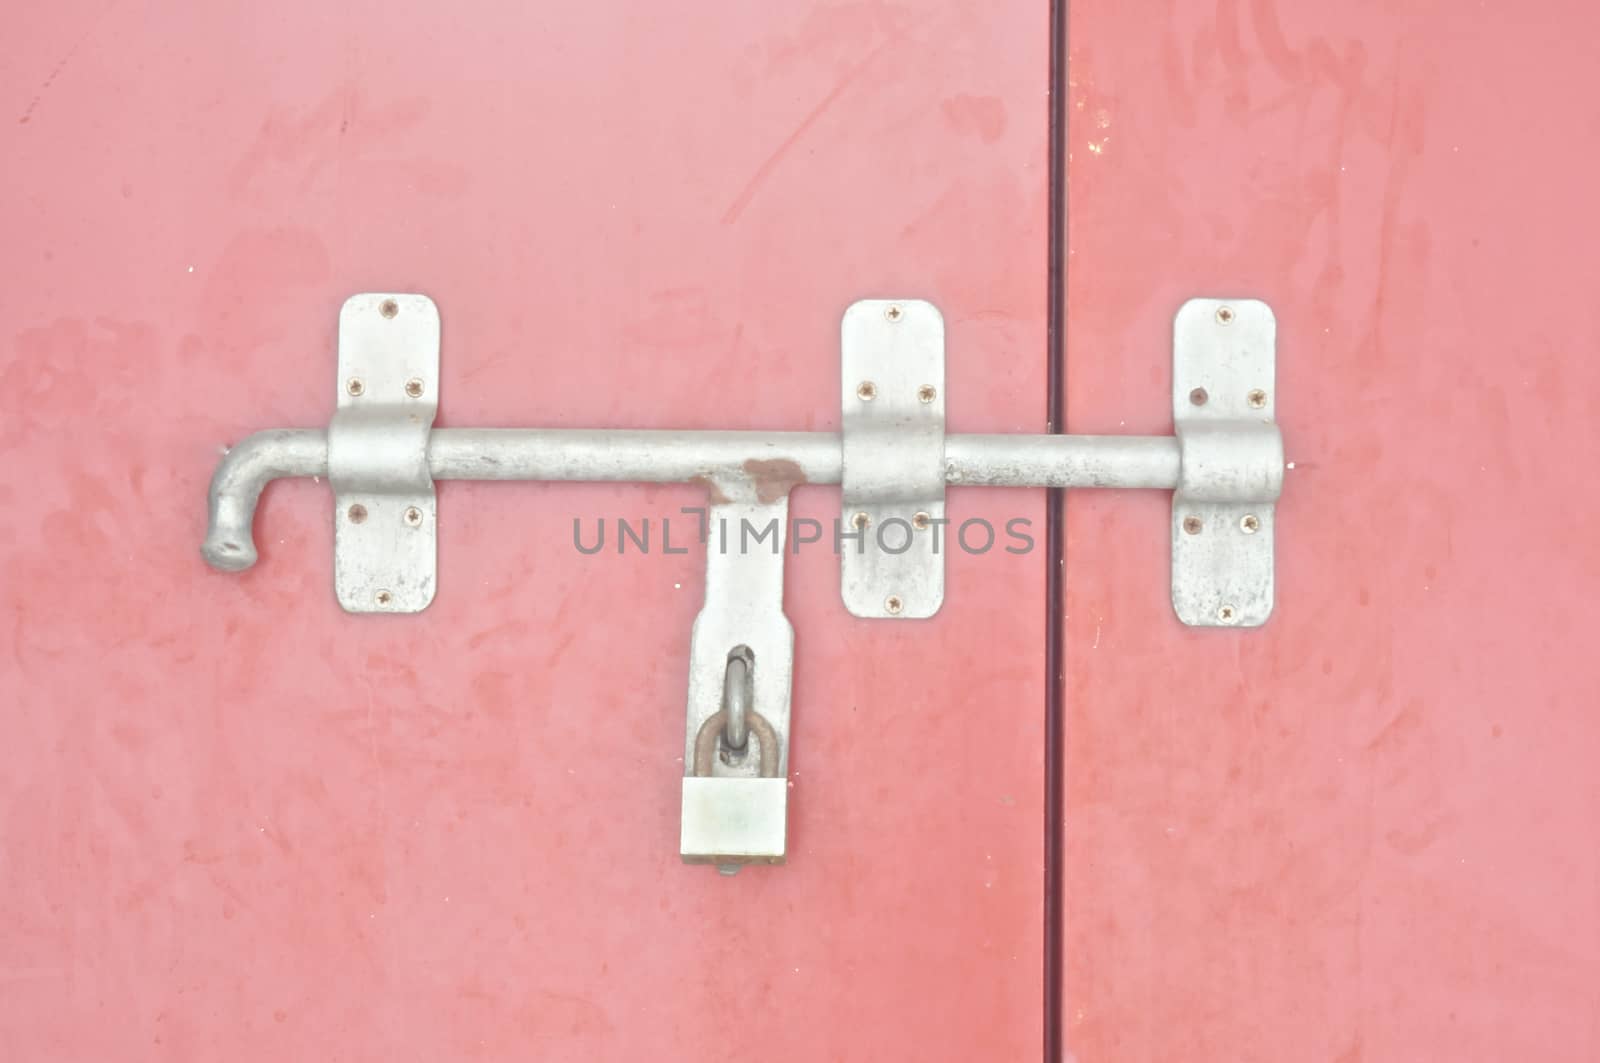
{"x":1224,"y":465}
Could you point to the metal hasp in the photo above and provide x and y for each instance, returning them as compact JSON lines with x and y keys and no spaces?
{"x":892,"y":457}
{"x":741,"y":667}
{"x":1223,"y":362}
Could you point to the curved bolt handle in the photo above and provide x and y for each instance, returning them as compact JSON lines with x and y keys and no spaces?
{"x":239,"y":480}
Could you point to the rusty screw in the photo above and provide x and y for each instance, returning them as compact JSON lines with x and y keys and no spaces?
{"x":1225,"y":614}
{"x":893,"y":313}
{"x":1198,"y":397}
{"x":920,"y":521}
{"x":861,"y":520}
{"x":355,"y":387}
{"x":1192,"y":525}
{"x":388,"y":308}
{"x":383,"y":597}
{"x":927,"y":393}
{"x":892,"y":605}
{"x":357,"y":513}
{"x":1257,"y":399}
{"x":866,"y":391}
{"x":1250,"y":524}
{"x":1224,"y":315}
{"x":413,"y":516}
{"x":414,"y":387}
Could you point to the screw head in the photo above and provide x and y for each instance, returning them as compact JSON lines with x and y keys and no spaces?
{"x":413,"y":516}
{"x":1257,"y":398}
{"x":355,"y":386}
{"x":414,"y":387}
{"x":927,"y":393}
{"x":866,"y":391}
{"x":356,"y":513}
{"x":1249,"y":523}
{"x":1226,"y":614}
{"x":1224,"y":315}
{"x":920,"y":521}
{"x":383,"y":597}
{"x":1192,"y":525}
{"x":1198,"y":397}
{"x":894,"y":313}
{"x":388,"y":308}
{"x":861,"y":520}
{"x":893,"y":605}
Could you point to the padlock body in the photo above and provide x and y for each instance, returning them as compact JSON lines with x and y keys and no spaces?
{"x":734,"y":820}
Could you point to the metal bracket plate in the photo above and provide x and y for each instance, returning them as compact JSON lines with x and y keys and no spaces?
{"x":893,"y":458}
{"x":1224,"y":358}
{"x":385,"y":557}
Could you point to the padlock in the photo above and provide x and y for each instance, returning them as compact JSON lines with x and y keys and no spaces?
{"x":730,"y":820}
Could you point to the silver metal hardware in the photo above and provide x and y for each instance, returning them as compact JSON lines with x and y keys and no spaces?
{"x":893,"y":458}
{"x":741,"y":667}
{"x":1231,"y":462}
{"x":385,"y":548}
{"x":1224,"y":466}
{"x":736,"y":694}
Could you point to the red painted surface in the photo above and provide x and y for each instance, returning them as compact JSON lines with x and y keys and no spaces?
{"x":239,"y":824}
{"x":1366,"y":831}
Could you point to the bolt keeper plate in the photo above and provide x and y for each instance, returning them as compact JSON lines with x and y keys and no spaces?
{"x":1223,"y":396}
{"x":893,"y":458}
{"x":384,"y":545}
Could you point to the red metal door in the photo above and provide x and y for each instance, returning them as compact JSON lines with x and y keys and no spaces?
{"x":1365,"y":831}
{"x":240,"y":824}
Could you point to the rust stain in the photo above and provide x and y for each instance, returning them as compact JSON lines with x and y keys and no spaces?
{"x":718,"y":497}
{"x":774,"y":477}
